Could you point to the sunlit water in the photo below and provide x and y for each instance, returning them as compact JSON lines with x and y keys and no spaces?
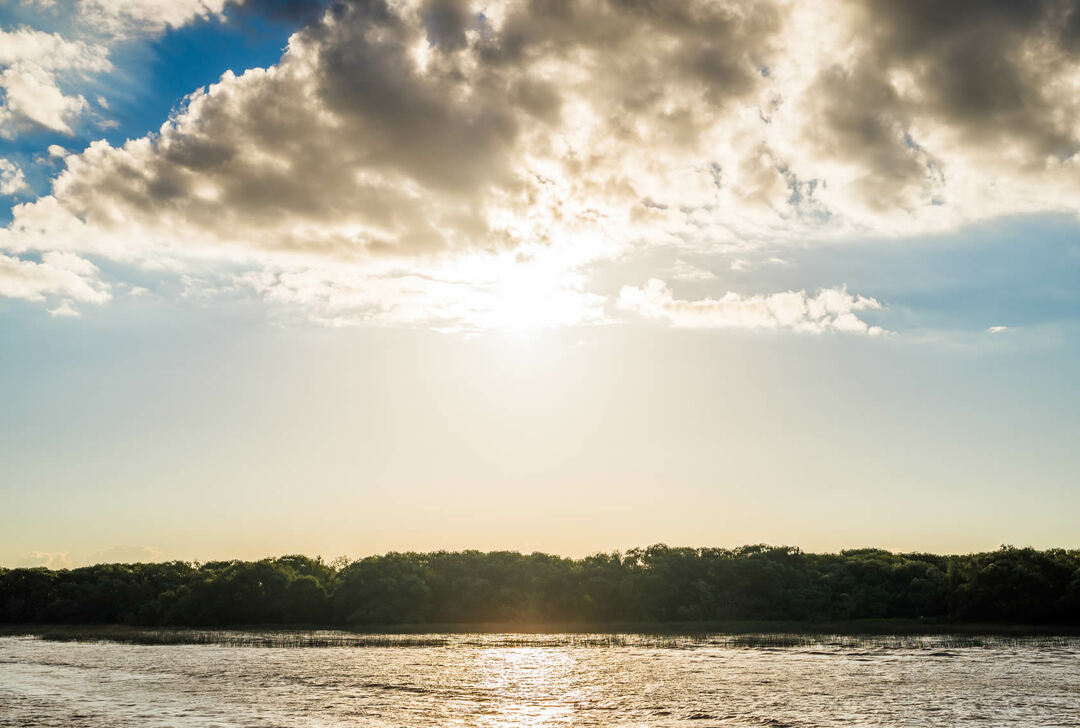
{"x":495,"y":681}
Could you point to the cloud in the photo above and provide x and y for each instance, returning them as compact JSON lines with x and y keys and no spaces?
{"x":740,"y":265}
{"x":923,"y":115}
{"x":50,"y":51}
{"x":831,"y":309}
{"x":298,"y":12}
{"x":50,"y":560}
{"x":683,"y":271}
{"x":397,"y":140}
{"x":11,"y":178}
{"x":997,"y":329}
{"x":383,"y":134}
{"x":354,"y":144}
{"x":127,"y":554}
{"x":121,"y":20}
{"x":59,"y":274}
{"x":470,"y":294}
{"x":39,"y":71}
{"x":127,"y":18}
{"x":64,"y":310}
{"x":31,"y":64}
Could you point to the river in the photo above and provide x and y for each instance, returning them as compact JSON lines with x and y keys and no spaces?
{"x":511,"y":681}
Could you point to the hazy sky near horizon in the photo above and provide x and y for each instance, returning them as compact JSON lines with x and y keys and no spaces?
{"x":341,"y":278}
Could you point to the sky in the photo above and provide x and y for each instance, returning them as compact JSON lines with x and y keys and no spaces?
{"x":347,"y":277}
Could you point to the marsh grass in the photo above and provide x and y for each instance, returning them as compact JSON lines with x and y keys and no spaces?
{"x":343,"y":639}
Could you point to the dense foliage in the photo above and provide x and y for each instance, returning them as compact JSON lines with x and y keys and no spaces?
{"x":653,"y":584}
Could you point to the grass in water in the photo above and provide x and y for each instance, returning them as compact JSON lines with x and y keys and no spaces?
{"x":342,"y":639}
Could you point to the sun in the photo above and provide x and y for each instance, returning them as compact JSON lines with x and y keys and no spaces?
{"x":514,"y":293}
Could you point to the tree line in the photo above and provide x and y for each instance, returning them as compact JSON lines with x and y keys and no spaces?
{"x":654,"y":584}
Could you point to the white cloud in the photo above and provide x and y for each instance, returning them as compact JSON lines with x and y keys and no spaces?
{"x":683,"y":271}
{"x":479,"y":292}
{"x":38,"y":68}
{"x":126,"y":554}
{"x":59,"y":274}
{"x":125,"y":18}
{"x":50,"y":51}
{"x":740,"y":265}
{"x":831,"y":309}
{"x":31,"y":63}
{"x":11,"y":178}
{"x":997,"y":329}
{"x":50,"y":560}
{"x":64,"y":310}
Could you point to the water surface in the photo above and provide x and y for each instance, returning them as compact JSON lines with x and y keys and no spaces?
{"x":554,"y":680}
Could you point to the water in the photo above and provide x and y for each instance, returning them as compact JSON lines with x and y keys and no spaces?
{"x":525,"y":680}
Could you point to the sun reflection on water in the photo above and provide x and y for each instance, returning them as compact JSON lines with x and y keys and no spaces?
{"x":525,"y":687}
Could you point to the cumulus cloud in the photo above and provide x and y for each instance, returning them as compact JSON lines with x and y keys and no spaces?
{"x":421,"y":132}
{"x":398,"y":139}
{"x":831,"y":309}
{"x":368,"y":139}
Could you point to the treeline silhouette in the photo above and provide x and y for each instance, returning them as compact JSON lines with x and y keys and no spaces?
{"x":654,"y":584}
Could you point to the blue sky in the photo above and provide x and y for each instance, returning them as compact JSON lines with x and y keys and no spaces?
{"x":447,"y":275}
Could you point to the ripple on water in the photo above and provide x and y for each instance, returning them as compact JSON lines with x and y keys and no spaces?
{"x":547,"y":680}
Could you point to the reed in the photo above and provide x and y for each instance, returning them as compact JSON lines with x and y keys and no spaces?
{"x":340,"y":639}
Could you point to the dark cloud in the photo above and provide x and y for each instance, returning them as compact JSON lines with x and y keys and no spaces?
{"x":294,"y":12}
{"x":1070,"y":29}
{"x":446,"y":22}
{"x":408,"y":119}
{"x":985,"y":65}
{"x":986,"y":71}
{"x":856,"y":116}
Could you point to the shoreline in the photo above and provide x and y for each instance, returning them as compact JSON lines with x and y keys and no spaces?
{"x":860,"y":627}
